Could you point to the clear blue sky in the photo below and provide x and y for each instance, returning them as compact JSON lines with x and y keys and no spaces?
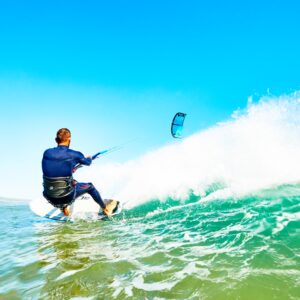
{"x":112,"y":71}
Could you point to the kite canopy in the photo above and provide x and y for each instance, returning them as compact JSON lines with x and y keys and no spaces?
{"x":177,"y":124}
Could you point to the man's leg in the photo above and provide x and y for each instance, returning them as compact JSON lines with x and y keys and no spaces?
{"x":82,"y":188}
{"x":62,"y":203}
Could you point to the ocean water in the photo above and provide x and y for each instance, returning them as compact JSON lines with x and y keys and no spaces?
{"x":244,"y":248}
{"x":214,"y":216}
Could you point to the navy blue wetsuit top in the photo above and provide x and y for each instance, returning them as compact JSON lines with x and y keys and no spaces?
{"x":60,"y":161}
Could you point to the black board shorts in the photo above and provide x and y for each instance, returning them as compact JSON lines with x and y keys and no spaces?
{"x":61,"y":202}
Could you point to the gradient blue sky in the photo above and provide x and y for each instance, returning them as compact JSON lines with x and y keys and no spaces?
{"x":113,"y":71}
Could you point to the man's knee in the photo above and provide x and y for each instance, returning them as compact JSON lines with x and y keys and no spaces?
{"x":91,"y":186}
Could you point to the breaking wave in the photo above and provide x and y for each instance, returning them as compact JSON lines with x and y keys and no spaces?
{"x":257,"y":148}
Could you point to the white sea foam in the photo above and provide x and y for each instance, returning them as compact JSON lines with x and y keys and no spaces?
{"x":258,"y":147}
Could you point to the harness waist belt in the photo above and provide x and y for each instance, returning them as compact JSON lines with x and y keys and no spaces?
{"x":58,"y":187}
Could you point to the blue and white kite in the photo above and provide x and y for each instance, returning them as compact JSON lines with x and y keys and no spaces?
{"x":177,"y":125}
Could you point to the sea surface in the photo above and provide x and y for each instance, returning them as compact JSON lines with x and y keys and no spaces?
{"x":233,"y":248}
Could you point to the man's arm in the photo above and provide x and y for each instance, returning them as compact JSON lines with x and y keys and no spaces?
{"x":80,"y":159}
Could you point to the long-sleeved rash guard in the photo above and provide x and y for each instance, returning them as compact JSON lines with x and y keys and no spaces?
{"x":59,"y":187}
{"x":60,"y":161}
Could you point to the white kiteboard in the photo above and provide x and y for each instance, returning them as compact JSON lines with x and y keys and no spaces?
{"x":84,"y":207}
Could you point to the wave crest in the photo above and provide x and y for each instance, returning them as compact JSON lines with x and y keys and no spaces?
{"x":258,"y":147}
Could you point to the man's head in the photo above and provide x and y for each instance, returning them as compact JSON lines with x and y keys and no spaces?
{"x":63,"y":137}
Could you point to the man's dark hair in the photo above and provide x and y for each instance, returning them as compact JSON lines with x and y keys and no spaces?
{"x":62,"y":135}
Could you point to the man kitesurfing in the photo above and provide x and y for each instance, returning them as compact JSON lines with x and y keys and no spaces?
{"x":58,"y":165}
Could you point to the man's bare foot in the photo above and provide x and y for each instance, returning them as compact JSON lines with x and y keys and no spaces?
{"x":110,"y":206}
{"x":66,"y":211}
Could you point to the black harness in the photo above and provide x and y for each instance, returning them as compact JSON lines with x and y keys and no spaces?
{"x":58,"y":187}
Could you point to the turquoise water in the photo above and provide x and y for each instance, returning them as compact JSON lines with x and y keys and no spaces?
{"x":234,"y":248}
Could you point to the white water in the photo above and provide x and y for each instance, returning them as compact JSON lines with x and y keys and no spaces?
{"x":259,"y":147}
